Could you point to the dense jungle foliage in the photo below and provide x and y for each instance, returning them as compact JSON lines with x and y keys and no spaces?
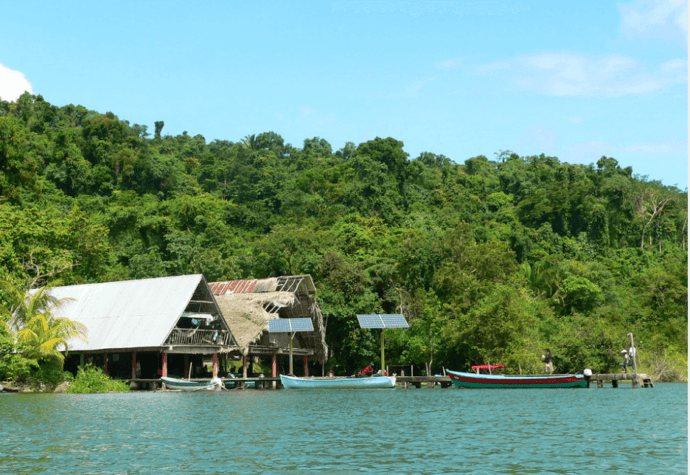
{"x":491,"y":261}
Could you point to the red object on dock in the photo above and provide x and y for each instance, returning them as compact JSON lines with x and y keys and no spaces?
{"x":489,"y":366}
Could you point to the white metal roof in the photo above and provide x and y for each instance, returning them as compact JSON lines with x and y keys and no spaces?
{"x":126,"y":314}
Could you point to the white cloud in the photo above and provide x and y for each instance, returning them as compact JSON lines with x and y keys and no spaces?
{"x":655,"y":18}
{"x":12,"y":84}
{"x":577,"y":74}
{"x":655,"y":148}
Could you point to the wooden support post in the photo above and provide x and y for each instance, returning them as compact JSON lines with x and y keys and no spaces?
{"x":105,"y":364}
{"x":244,"y":366}
{"x":274,"y":366}
{"x":81,"y":360}
{"x":306,"y":367}
{"x":134,"y":365}
{"x":165,"y":364}
{"x":215,"y":365}
{"x":614,"y":383}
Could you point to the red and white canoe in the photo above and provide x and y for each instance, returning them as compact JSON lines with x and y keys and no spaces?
{"x":472,"y":380}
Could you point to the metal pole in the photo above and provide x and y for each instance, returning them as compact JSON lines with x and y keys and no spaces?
{"x":293,"y":335}
{"x":383,"y":359}
{"x":632,"y":345}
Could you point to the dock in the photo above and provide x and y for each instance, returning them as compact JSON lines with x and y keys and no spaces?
{"x":638,"y":380}
{"x":417,"y":381}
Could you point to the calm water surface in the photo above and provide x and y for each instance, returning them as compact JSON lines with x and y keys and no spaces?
{"x":424,"y":430}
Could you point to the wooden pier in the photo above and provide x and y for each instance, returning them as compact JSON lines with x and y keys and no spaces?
{"x":237,"y":383}
{"x":417,"y":381}
{"x":638,"y":380}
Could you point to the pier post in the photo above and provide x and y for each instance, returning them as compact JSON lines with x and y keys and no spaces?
{"x":274,"y":368}
{"x":165,"y":364}
{"x":134,"y":365}
{"x":306,"y":367}
{"x":215,"y":365}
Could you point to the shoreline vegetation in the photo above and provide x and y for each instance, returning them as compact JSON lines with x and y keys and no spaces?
{"x":491,"y":260}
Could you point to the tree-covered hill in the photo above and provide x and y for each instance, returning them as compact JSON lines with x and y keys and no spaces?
{"x":492,"y":260}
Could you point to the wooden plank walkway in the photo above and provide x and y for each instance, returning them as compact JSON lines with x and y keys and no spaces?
{"x":417,"y":381}
{"x":642,"y":379}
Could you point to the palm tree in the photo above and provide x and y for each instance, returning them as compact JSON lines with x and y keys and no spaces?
{"x":43,"y":334}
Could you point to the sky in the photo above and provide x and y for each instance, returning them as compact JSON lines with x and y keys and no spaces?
{"x":574,"y":80}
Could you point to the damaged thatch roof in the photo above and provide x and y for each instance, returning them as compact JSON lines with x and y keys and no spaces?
{"x":247,"y":305}
{"x":246,"y":316}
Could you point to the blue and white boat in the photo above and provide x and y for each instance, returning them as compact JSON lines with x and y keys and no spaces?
{"x":188,"y":385}
{"x":292,"y":382}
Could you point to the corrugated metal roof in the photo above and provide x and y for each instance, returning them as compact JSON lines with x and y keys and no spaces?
{"x":126,"y":314}
{"x":247,"y":286}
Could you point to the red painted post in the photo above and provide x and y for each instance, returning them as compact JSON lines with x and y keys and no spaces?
{"x":306,"y":367}
{"x":134,"y":365}
{"x":244,"y":366}
{"x":274,"y":366}
{"x":165,"y":365}
{"x":215,"y":365}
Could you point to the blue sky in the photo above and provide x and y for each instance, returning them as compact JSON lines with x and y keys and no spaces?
{"x":576,"y":80}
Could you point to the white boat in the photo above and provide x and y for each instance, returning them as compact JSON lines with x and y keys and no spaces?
{"x":292,"y":382}
{"x":187,"y":385}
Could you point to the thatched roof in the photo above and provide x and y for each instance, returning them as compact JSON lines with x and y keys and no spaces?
{"x":245,"y":314}
{"x":247,"y":305}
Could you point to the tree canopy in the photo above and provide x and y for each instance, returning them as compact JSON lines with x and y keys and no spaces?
{"x":490,"y":260}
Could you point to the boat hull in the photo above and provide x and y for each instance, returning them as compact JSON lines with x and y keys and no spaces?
{"x":471,"y":380}
{"x":187,"y":385}
{"x":291,"y":382}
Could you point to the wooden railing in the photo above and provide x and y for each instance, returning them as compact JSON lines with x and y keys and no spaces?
{"x":180,"y":336}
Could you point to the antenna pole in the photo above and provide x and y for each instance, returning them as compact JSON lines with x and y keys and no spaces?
{"x":383,"y":359}
{"x":291,"y":337}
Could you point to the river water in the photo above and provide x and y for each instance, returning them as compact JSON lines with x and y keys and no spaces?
{"x":565,"y":431}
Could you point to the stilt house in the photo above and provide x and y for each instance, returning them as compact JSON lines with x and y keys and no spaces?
{"x":142,"y":329}
{"x":248,"y":305}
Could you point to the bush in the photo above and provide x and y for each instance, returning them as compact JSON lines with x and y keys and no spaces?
{"x":50,"y":373}
{"x":92,"y":380}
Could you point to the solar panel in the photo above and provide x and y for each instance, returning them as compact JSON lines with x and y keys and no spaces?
{"x":279,"y":325}
{"x":382,"y":321}
{"x":288,"y":325}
